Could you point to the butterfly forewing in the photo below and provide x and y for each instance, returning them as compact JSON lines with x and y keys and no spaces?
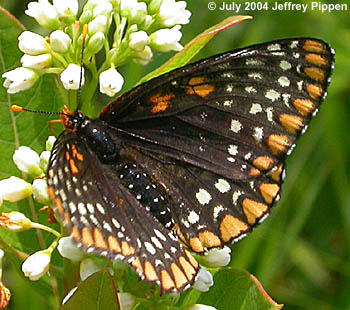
{"x":199,"y":157}
{"x":104,"y":215}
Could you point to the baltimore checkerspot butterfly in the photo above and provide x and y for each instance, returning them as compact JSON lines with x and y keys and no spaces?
{"x":188,"y":161}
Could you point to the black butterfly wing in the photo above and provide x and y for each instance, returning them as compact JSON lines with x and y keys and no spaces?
{"x":231,"y":114}
{"x":96,"y":203}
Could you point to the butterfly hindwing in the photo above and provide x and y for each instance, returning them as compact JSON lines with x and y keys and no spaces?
{"x":104,"y":215}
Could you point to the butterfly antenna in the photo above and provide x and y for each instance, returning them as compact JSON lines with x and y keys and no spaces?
{"x":16,"y":108}
{"x":84,"y":34}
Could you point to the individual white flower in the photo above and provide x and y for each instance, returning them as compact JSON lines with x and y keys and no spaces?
{"x":96,"y":43}
{"x":103,"y":8}
{"x":36,"y":265}
{"x":126,"y":301}
{"x":15,"y":221}
{"x":13,"y":189}
{"x":66,"y":7}
{"x":173,"y":13}
{"x":19,"y":79}
{"x":98,"y":24}
{"x":60,"y":41}
{"x":40,"y":192}
{"x":50,"y":142}
{"x":69,"y":250}
{"x":36,"y":62}
{"x":69,"y":295}
{"x":70,"y":77}
{"x":32,"y":43}
{"x":166,"y":40}
{"x":2,"y":253}
{"x":135,"y":11}
{"x":111,"y":82}
{"x":217,"y":257}
{"x":138,"y":40}
{"x":27,"y":160}
{"x":200,"y":307}
{"x":44,"y":13}
{"x":144,"y":57}
{"x":204,"y":280}
{"x":44,"y":160}
{"x":87,"y":268}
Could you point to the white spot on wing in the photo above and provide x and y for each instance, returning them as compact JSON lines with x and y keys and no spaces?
{"x":269,"y":114}
{"x":233,"y":150}
{"x":285,"y":65}
{"x":236,"y":126}
{"x":255,"y":75}
{"x":235,"y":197}
{"x":250,"y":89}
{"x":217,"y":211}
{"x":272,"y":95}
{"x":258,"y":134}
{"x":284,"y":81}
{"x":193,"y":217}
{"x":256,"y":108}
{"x":222,"y":185}
{"x":203,"y":196}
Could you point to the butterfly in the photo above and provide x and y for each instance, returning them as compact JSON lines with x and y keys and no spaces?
{"x":188,"y":161}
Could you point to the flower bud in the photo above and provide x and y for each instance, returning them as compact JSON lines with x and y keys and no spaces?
{"x":5,"y":296}
{"x":138,"y":40}
{"x":69,"y":250}
{"x":50,"y":142}
{"x":66,"y":7}
{"x":217,"y":257}
{"x":87,"y":268}
{"x":44,"y":13}
{"x":172,"y":13}
{"x":27,"y":161}
{"x":135,"y":11}
{"x":40,"y":192}
{"x":36,"y":62}
{"x":95,"y":43}
{"x":204,"y":280}
{"x":111,"y":82}
{"x":154,"y":6}
{"x":19,"y":79}
{"x":60,"y":41}
{"x":166,"y":40}
{"x":103,"y":8}
{"x":144,"y":57}
{"x":37,"y":264}
{"x":147,"y":22}
{"x":44,"y":160}
{"x":13,"y":189}
{"x":70,"y":77}
{"x":15,"y":221}
{"x":86,"y":17}
{"x":98,"y":24}
{"x":32,"y":43}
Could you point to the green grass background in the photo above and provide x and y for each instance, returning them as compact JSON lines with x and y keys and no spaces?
{"x":301,"y":253}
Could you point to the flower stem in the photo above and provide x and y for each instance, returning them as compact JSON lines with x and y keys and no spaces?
{"x":46,"y":228}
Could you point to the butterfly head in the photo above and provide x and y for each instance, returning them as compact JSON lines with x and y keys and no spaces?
{"x":72,"y":121}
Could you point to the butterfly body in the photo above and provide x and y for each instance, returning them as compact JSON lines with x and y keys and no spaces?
{"x":196,"y":155}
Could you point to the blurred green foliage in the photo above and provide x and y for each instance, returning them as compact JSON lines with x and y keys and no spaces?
{"x":301,"y":254}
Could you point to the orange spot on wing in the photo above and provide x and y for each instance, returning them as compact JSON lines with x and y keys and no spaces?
{"x":150,"y":272}
{"x":99,"y":239}
{"x":73,"y":167}
{"x":316,"y":60}
{"x":86,"y":237}
{"x":278,"y":144}
{"x":196,"y":245}
{"x":253,"y":210}
{"x":187,"y":267}
{"x":269,"y":192}
{"x":200,"y":90}
{"x":209,"y":239}
{"x":316,"y":74}
{"x":166,"y":281}
{"x":196,"y":80}
{"x":127,"y":250}
{"x":179,"y":276}
{"x":314,"y":46}
{"x":160,"y":102}
{"x":304,"y":106}
{"x":314,"y":91}
{"x":231,"y":227}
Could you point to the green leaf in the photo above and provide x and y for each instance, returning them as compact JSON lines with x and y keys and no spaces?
{"x":193,"y":47}
{"x":237,"y":290}
{"x":98,"y":292}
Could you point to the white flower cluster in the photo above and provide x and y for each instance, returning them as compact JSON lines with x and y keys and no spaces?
{"x":141,"y":27}
{"x":28,"y":161}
